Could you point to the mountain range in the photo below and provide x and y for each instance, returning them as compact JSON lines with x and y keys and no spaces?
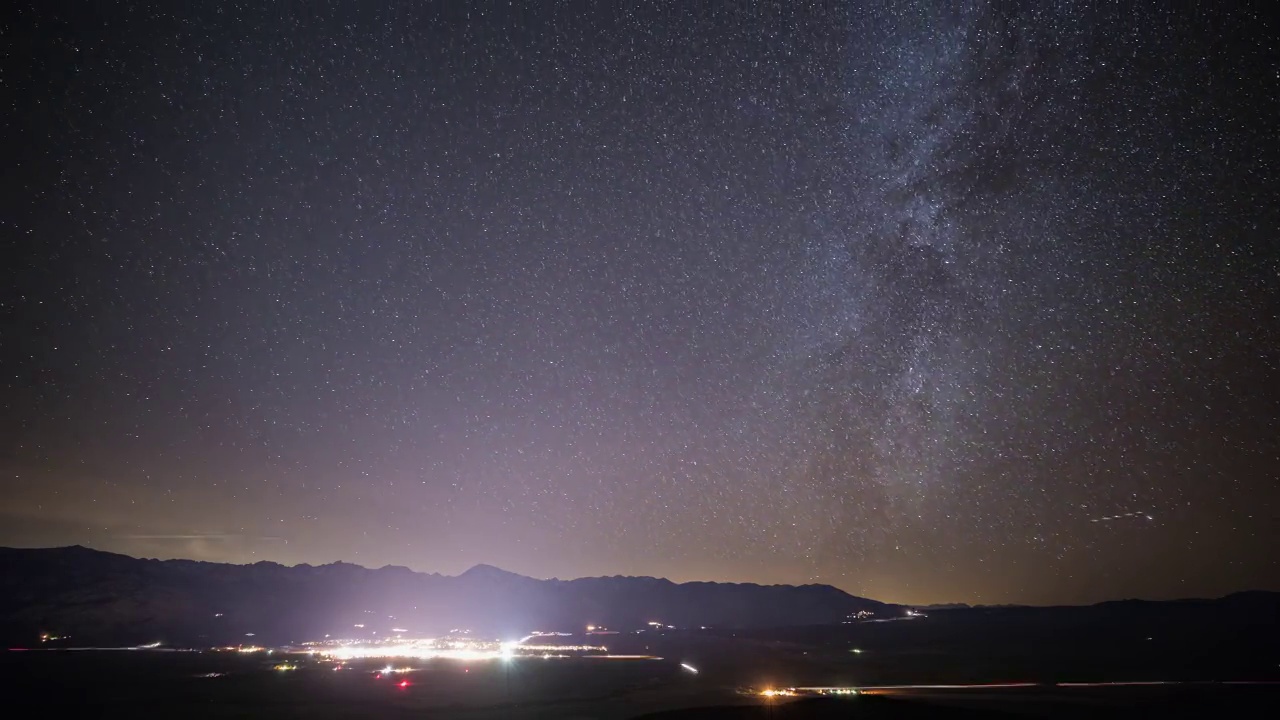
{"x":89,"y":596}
{"x":84,"y":597}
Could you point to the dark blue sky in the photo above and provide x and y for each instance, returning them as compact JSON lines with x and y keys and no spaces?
{"x":933,"y":305}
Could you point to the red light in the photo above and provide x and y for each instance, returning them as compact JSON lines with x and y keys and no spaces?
{"x":378,"y":676}
{"x":403,"y":683}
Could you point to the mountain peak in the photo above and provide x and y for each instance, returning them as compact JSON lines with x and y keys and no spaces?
{"x":489,"y":571}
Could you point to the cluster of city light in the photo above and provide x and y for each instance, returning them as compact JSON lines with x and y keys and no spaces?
{"x":778,"y":693}
{"x":466,"y":649}
{"x":426,"y":649}
{"x":793,"y":692}
{"x":244,"y":649}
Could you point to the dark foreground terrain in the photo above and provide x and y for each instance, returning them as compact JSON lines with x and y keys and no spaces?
{"x":155,"y":684}
{"x":1048,"y":702}
{"x":144,"y":684}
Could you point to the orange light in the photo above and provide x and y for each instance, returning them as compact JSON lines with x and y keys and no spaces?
{"x":777,"y":693}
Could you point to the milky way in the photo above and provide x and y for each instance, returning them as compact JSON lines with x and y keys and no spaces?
{"x":903,"y":299}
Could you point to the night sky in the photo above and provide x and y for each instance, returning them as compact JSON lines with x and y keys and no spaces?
{"x":929,"y":304}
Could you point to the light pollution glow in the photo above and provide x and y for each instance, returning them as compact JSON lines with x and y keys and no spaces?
{"x":447,"y":649}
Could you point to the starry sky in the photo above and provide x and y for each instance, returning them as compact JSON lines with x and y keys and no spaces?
{"x":926,"y":301}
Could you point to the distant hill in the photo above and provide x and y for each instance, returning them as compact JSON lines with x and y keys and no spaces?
{"x":87,"y":597}
{"x":99,"y":597}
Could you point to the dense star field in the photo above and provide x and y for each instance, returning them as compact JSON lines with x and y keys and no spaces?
{"x":930,"y":304}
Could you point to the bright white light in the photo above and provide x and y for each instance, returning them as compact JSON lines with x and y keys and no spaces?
{"x":415,"y":649}
{"x":444,"y":648}
{"x":689,"y":667}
